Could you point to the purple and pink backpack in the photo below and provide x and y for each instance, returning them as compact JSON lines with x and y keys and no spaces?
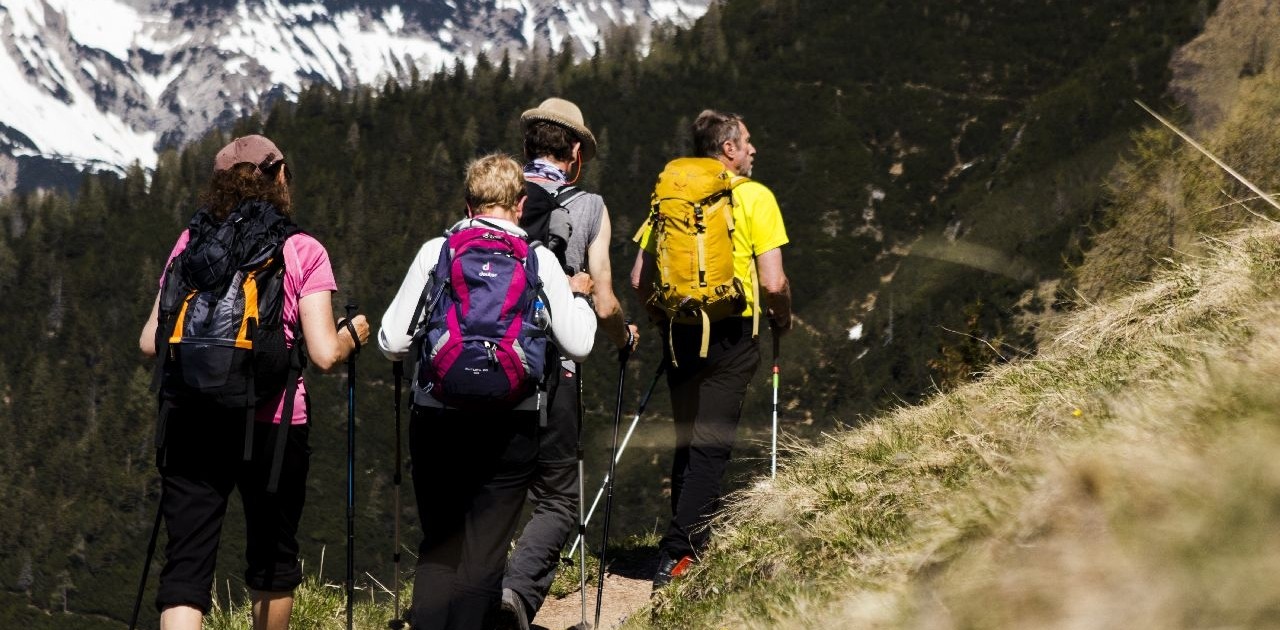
{"x":483,"y":345}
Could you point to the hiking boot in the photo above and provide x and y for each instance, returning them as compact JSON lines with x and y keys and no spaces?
{"x":669,"y":568}
{"x":511,"y":612}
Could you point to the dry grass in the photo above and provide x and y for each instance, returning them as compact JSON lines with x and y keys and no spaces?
{"x":1125,"y":477}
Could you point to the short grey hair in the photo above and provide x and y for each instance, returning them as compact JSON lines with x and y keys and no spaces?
{"x":714,"y":128}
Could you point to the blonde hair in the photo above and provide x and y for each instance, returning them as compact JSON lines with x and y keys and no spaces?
{"x":494,"y":180}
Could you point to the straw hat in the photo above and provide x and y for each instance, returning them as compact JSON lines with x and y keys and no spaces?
{"x":564,"y":113}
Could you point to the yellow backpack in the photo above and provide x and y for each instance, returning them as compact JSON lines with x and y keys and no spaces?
{"x":691,"y":214}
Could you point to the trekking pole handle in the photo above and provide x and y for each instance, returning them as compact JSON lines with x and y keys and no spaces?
{"x":624,"y":353}
{"x":351,"y":328}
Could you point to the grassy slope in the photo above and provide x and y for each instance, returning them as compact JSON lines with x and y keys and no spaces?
{"x":1123,"y":477}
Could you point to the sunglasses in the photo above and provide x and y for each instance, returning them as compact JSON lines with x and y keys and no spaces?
{"x":272,"y":170}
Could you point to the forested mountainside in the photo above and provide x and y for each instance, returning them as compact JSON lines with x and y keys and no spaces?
{"x":937,"y":165}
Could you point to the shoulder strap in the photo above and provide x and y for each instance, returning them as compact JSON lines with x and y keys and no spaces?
{"x":736,"y":181}
{"x":566,"y":194}
{"x":434,"y":278}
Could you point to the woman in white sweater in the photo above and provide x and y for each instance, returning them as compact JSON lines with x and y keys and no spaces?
{"x":471,"y":469}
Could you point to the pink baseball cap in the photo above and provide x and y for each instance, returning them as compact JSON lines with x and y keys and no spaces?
{"x":253,"y":149}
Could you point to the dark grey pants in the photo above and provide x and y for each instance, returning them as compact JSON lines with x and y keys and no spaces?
{"x":470,"y":475}
{"x":706,"y":400}
{"x":554,"y":494}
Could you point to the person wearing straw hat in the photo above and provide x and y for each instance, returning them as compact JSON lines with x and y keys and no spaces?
{"x":557,"y":143}
{"x":710,"y":367}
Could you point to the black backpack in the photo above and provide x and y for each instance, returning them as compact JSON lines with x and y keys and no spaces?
{"x":546,"y":219}
{"x":220,"y":339}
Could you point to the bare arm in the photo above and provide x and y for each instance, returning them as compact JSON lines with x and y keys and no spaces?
{"x":326,"y":345}
{"x":776,"y":288}
{"x":147,"y":340}
{"x":642,"y":273}
{"x":608,"y":309}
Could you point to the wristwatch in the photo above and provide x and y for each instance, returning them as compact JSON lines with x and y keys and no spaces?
{"x":585,"y":296}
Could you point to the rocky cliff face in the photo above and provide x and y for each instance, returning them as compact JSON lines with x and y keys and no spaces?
{"x":1236,"y":44}
{"x":101,"y":84}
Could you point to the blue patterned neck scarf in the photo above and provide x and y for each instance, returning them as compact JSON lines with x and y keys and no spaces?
{"x":544,"y":170}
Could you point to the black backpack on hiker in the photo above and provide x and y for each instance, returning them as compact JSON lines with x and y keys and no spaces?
{"x":220,"y":340}
{"x":546,"y":219}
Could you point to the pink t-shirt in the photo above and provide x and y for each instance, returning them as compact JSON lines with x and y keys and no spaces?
{"x":306,"y":271}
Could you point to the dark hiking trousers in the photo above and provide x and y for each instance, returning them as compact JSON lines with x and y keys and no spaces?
{"x":554,"y":494}
{"x":205,"y":462}
{"x":470,"y":474}
{"x":706,"y":400}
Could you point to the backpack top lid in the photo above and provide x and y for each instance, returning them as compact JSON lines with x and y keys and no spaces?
{"x":694,"y":179}
{"x":246,"y":238}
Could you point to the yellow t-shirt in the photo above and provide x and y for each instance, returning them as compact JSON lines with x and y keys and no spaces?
{"x":757,"y":229}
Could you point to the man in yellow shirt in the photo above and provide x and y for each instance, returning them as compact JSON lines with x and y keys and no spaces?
{"x":707,"y":393}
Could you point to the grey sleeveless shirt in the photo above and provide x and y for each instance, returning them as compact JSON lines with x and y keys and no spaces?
{"x":585,"y":212}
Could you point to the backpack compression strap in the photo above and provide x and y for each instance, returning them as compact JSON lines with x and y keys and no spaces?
{"x":297,"y":361}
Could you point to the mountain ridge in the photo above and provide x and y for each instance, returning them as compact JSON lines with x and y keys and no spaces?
{"x":100,"y":86}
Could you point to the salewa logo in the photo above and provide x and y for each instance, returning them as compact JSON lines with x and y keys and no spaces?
{"x":485,"y":273}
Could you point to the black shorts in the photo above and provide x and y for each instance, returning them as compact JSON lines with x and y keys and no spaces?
{"x":204,"y":462}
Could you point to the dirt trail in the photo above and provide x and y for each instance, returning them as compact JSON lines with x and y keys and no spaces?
{"x":627,"y":585}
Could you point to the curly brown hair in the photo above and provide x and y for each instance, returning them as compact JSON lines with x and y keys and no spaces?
{"x":244,"y":182}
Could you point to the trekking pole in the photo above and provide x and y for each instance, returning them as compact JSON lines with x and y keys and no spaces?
{"x":623,"y":355}
{"x":397,"y":622}
{"x":582,"y":519}
{"x":351,"y":467}
{"x":146,"y":566}
{"x":643,"y":403}
{"x":773,"y":459}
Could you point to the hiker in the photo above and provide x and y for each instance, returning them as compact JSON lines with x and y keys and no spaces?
{"x":557,"y":143}
{"x":712,"y":354}
{"x":213,"y":439}
{"x":474,"y":454}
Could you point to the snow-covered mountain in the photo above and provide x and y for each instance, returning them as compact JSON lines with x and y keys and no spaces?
{"x":100,"y":84}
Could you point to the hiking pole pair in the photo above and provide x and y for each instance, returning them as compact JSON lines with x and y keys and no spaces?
{"x":623,"y":355}
{"x":644,"y":402}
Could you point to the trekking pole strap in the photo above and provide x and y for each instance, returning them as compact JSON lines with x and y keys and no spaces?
{"x":351,"y":329}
